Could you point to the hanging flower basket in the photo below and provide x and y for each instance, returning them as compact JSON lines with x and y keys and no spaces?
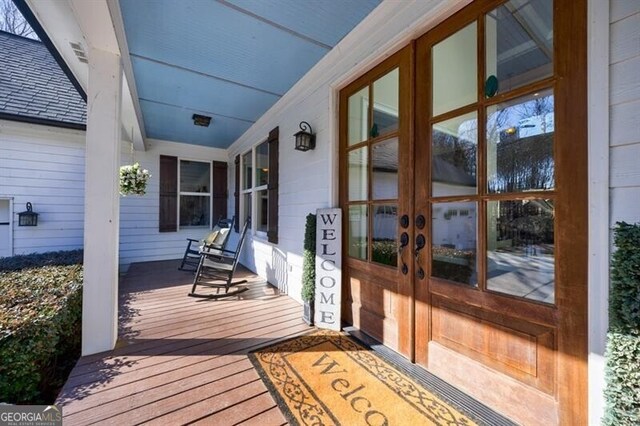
{"x":133,"y":179}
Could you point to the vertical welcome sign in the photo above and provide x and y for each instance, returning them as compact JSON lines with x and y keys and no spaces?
{"x":328,"y":268}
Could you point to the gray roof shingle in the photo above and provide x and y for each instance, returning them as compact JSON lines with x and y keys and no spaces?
{"x":33,"y":85}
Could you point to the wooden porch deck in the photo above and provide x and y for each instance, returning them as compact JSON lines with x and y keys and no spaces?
{"x":179,"y":359}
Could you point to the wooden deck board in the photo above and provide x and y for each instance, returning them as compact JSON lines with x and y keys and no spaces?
{"x":180,"y":359}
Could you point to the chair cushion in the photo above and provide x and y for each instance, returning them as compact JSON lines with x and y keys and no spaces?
{"x":209,"y":239}
{"x":222,"y":235}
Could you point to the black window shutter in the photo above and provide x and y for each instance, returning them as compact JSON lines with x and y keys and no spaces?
{"x":168,"y":213}
{"x":237,"y":195}
{"x":219,"y":190}
{"x":272,"y":187}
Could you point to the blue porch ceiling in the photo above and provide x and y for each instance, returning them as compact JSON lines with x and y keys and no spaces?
{"x":228,"y":59}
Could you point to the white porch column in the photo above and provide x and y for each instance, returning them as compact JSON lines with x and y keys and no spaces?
{"x":102,"y":203}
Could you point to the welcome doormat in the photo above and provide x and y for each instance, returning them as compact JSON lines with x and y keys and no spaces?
{"x":327,"y":378}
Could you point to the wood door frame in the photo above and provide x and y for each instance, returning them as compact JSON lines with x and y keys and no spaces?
{"x":571,"y":256}
{"x":569,"y":314}
{"x":403,"y":59}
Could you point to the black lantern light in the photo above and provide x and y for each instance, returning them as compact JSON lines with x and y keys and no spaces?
{"x":305,"y":139}
{"x":28,"y":218}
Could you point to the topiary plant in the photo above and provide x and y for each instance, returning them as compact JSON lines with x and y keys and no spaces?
{"x":623,"y":339}
{"x":309,"y":259}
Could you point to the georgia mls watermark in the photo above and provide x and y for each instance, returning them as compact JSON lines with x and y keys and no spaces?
{"x":30,"y":415}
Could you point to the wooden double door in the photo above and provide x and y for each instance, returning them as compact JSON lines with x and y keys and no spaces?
{"x":463,"y":176}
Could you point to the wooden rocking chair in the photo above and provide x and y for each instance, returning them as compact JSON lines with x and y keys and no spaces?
{"x":216,"y":240}
{"x":216,"y":269}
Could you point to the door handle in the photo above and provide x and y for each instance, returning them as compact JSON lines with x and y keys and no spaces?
{"x":420,"y":243}
{"x":404,"y":242}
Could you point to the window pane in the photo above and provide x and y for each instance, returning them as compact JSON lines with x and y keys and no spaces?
{"x":384,"y":156}
{"x":357,"y":164}
{"x":384,"y":247}
{"x":454,"y":242}
{"x":519,"y":43}
{"x":358,"y":221}
{"x":262,"y":204}
{"x":194,"y":176}
{"x":194,"y":210}
{"x":262,"y":164}
{"x":247,"y":170}
{"x":386,"y":108}
{"x":453,"y":162}
{"x":520,"y":144}
{"x":520,"y":242}
{"x":455,"y":78}
{"x":246,"y":212}
{"x":359,"y":116}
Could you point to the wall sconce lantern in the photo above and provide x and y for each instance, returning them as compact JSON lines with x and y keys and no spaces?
{"x":305,"y":139}
{"x":28,"y":218}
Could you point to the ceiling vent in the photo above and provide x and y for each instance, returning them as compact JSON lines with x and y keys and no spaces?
{"x":201,"y":120}
{"x":79,"y":51}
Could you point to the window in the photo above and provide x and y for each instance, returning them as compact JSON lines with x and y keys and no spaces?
{"x":193,"y":193}
{"x":257,"y":187}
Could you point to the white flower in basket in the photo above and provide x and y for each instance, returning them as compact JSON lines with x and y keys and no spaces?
{"x":133,"y":179}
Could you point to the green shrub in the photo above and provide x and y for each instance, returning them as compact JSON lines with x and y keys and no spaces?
{"x":623,"y":339}
{"x":40,"y":324}
{"x":309,"y":259}
{"x":52,"y":258}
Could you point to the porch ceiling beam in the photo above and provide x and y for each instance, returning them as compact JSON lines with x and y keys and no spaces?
{"x":132,"y":118}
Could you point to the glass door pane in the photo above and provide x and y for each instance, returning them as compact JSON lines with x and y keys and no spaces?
{"x":520,"y":144}
{"x":454,"y":144}
{"x":519,"y":44}
{"x":386,"y":107}
{"x":520,"y":242}
{"x":358,"y":123}
{"x":455,"y":71}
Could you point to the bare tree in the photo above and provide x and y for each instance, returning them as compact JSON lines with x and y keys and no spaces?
{"x":12,"y":21}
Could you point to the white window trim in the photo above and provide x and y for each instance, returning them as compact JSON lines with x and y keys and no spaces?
{"x":253,"y":190}
{"x":199,"y":194}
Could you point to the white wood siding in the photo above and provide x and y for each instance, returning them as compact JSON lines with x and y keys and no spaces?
{"x":45,"y":166}
{"x":140,"y":240}
{"x":625,"y":111}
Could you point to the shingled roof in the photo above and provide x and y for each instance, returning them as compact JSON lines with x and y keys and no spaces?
{"x":33,"y":87}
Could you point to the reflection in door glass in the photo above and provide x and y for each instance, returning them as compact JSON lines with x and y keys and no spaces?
{"x":453,"y":156}
{"x":357,"y":166}
{"x":454,"y":236}
{"x":455,"y":78}
{"x":358,"y":116}
{"x":519,"y":43}
{"x":384,"y":246}
{"x":358,"y":224}
{"x":385,"y":104}
{"x":520,"y":144}
{"x":520,"y":243}
{"x":384,"y":170}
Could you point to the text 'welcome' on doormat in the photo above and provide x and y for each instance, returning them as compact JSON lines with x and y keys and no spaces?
{"x":326,"y":378}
